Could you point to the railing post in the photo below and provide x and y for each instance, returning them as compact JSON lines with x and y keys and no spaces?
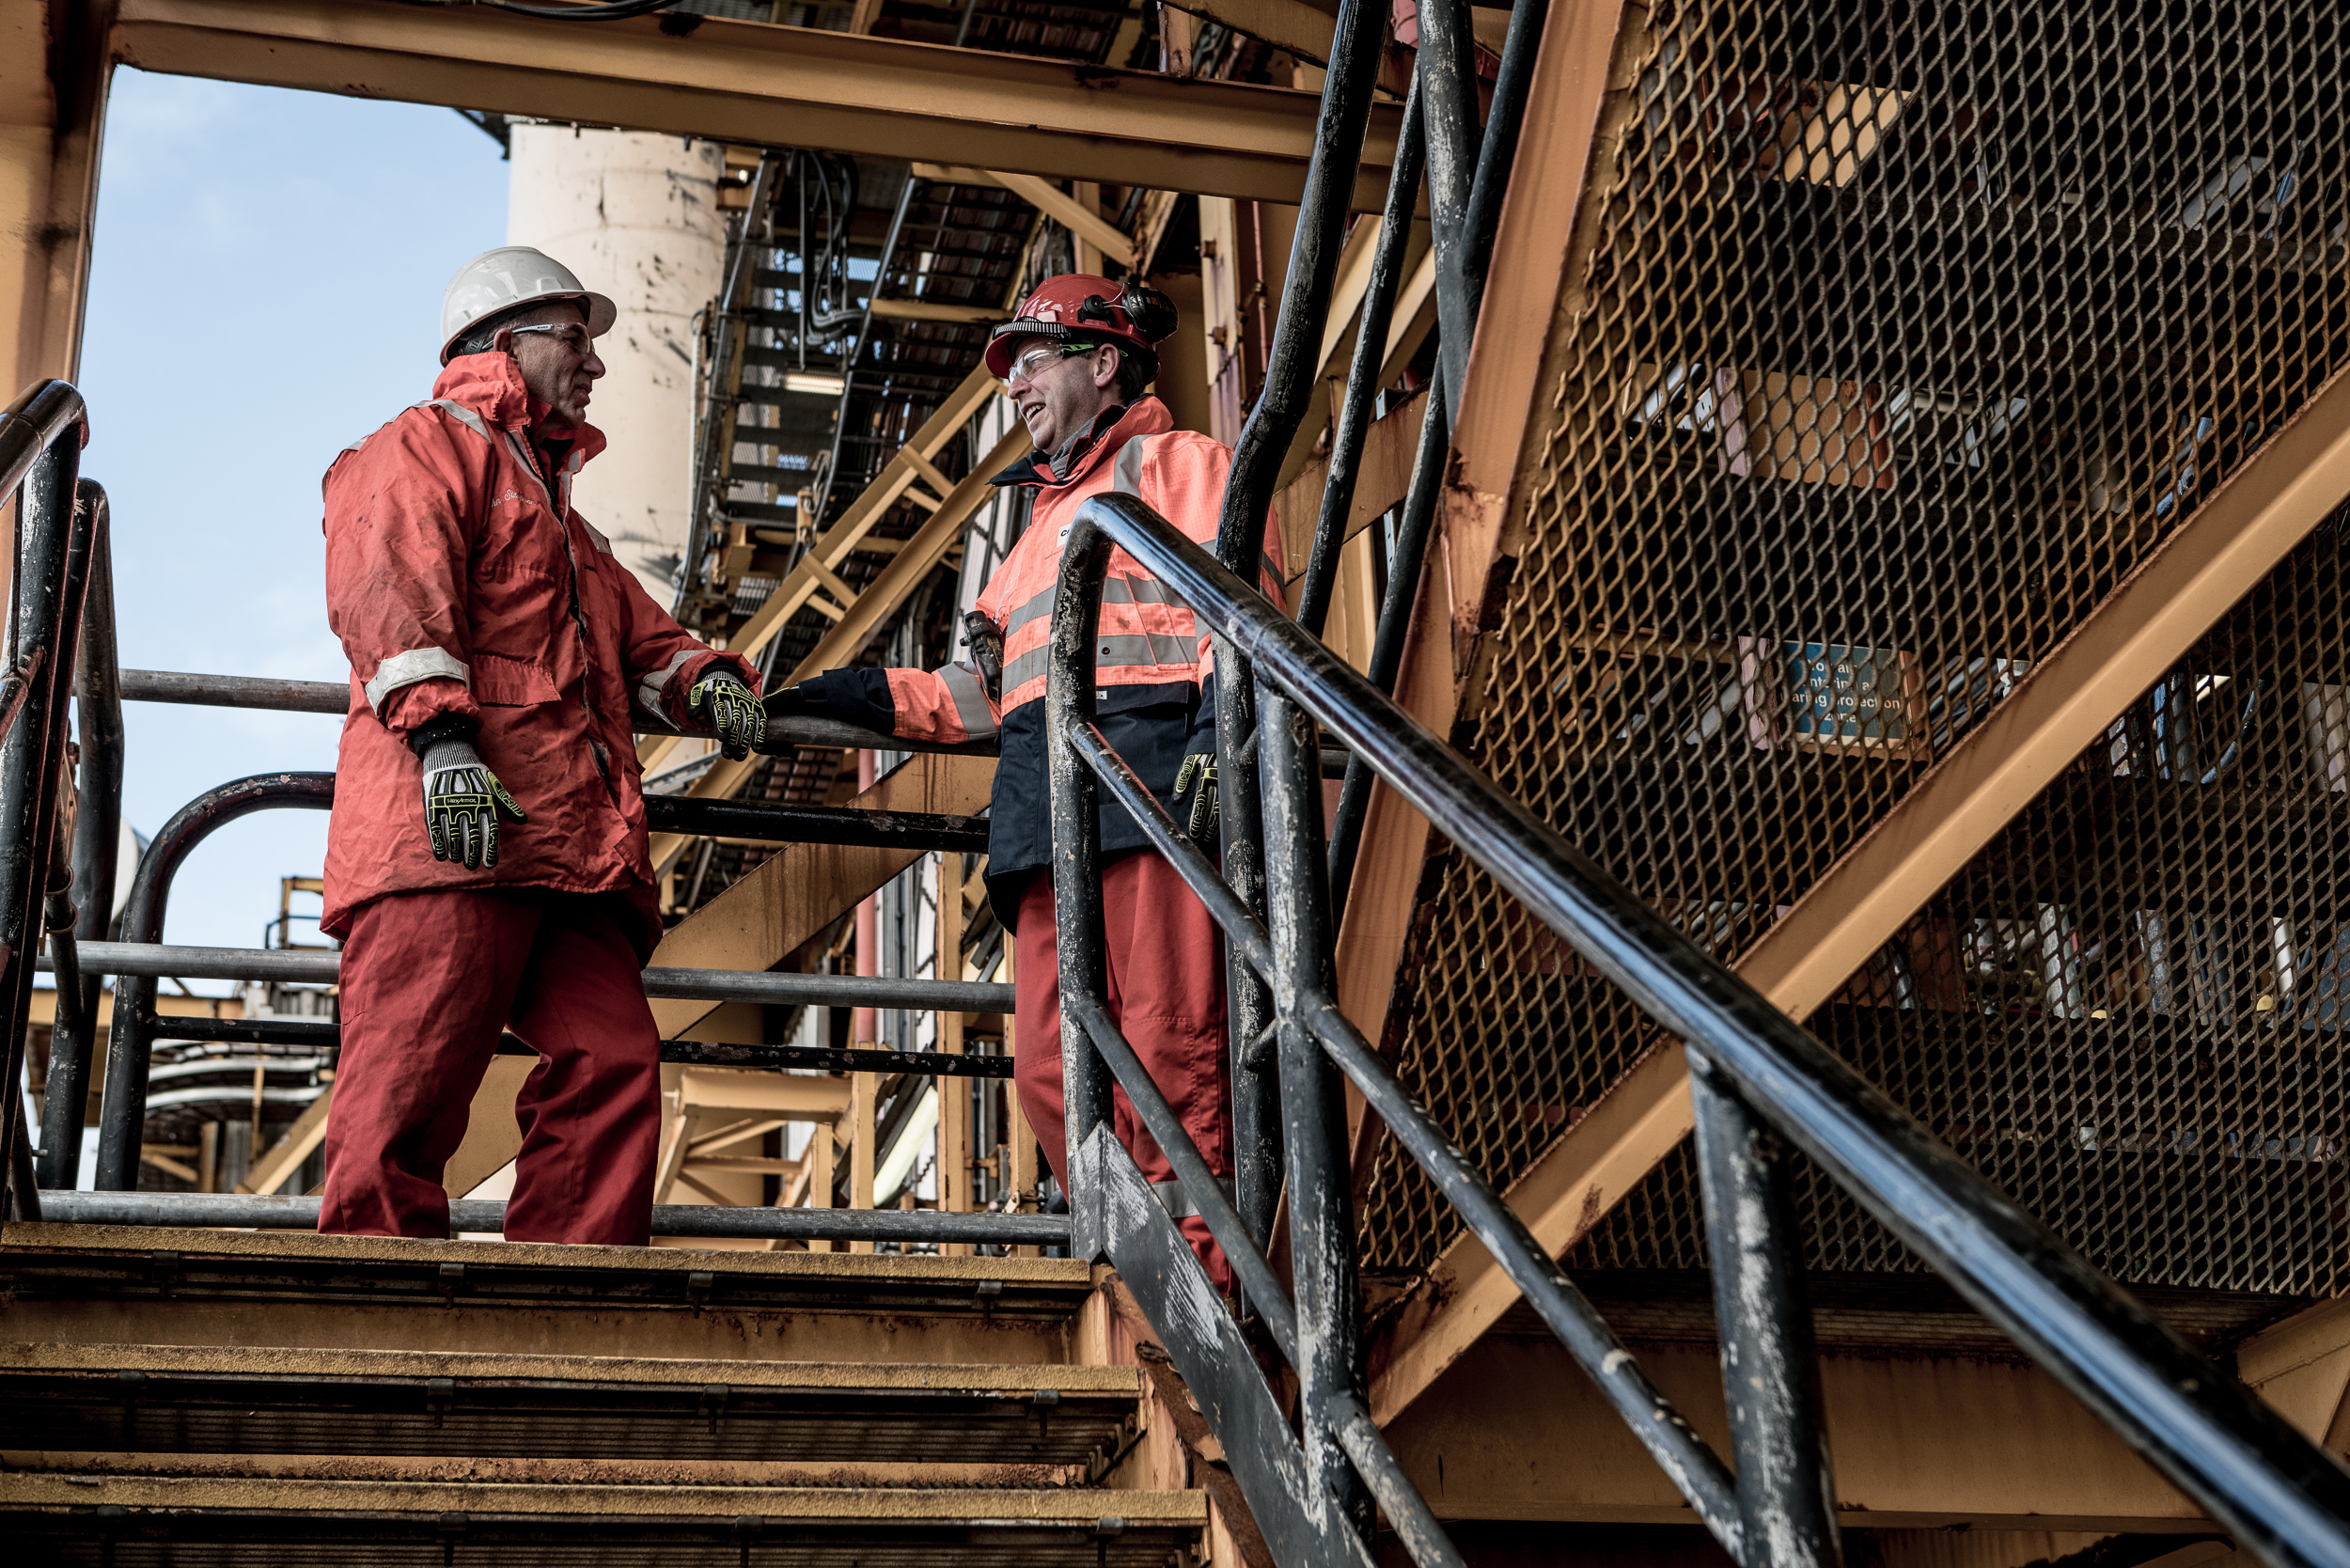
{"x":1770,"y":1372}
{"x":1257,"y":457}
{"x":1395,"y":625}
{"x":1081,"y":943}
{"x":97,"y":848}
{"x":51,"y":566}
{"x":130,"y":1046}
{"x":1313,"y":1103}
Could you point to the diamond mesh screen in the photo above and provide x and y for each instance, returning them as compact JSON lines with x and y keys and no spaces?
{"x":1896,"y":338}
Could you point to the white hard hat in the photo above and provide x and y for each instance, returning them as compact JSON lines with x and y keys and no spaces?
{"x":500,"y":279}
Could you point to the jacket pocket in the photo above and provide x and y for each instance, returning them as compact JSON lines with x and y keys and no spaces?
{"x":507,"y":682}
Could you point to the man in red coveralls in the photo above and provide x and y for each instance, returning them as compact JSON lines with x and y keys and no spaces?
{"x":486,"y":866}
{"x":1076,"y":362}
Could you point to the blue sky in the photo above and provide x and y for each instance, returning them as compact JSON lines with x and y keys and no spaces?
{"x":265,"y":287}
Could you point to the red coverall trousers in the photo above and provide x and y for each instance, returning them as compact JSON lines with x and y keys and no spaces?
{"x":1166,"y":993}
{"x":430,"y":979}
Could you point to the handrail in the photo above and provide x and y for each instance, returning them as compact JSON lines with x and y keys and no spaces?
{"x":320,"y":966}
{"x":786,"y":733}
{"x":265,"y":1212}
{"x":96,"y":855}
{"x":40,"y":466}
{"x":2280,"y":1494}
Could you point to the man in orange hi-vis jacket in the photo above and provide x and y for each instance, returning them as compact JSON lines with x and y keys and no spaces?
{"x":1075,"y":363}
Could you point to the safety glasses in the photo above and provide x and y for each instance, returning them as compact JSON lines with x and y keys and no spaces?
{"x":1026,"y":368}
{"x":570,"y":334}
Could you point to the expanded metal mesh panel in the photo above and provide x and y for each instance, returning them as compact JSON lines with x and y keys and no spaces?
{"x":2130,"y":1011}
{"x":1897,"y":338}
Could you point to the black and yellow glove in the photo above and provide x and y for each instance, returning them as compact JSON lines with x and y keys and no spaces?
{"x":1197,"y":777}
{"x":721,"y":700}
{"x":462,"y":801}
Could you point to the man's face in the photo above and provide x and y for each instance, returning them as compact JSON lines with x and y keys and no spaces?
{"x":1057,"y":395}
{"x":558,"y":368}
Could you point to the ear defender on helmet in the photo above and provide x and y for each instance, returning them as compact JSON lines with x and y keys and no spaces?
{"x":1151,"y":312}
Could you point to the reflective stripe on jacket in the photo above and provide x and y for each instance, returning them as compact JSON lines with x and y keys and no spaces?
{"x":459,"y":583}
{"x":1151,"y":653}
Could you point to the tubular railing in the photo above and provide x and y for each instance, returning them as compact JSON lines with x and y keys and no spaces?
{"x":63,"y":599}
{"x":1762,"y":1085}
{"x":57,"y":526}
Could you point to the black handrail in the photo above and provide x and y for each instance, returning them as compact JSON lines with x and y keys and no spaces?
{"x":41,"y":435}
{"x":97,"y":854}
{"x":122,"y":1112}
{"x":2276,"y":1493}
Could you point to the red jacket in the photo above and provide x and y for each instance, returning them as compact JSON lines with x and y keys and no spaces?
{"x":459,"y":585}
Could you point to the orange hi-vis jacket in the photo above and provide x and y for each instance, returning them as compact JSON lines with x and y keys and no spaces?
{"x":1153,"y":655}
{"x":460,"y":583}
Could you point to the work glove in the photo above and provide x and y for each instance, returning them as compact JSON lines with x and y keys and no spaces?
{"x":1207,"y":819}
{"x":462,"y":801}
{"x":987,"y":652}
{"x":721,"y":700}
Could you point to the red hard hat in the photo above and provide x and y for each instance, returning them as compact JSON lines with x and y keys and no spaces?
{"x":1079,"y":307}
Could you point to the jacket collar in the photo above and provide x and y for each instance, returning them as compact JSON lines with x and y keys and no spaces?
{"x":491,"y":387}
{"x":1111,"y":430}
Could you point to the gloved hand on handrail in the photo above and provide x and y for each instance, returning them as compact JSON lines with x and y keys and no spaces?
{"x":721,"y":700}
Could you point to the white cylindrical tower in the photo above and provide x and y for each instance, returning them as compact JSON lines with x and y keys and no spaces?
{"x":636,"y":217}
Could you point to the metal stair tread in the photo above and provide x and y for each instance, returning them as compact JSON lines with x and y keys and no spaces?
{"x":56,"y":1261}
{"x":148,"y":1399}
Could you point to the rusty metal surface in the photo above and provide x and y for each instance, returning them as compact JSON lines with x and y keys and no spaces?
{"x":207,"y":1401}
{"x":1893,"y":355}
{"x":94,"y":1516}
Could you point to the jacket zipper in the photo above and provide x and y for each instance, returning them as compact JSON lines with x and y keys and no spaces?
{"x":579,"y":619}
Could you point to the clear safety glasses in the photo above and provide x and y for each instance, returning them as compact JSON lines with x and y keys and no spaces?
{"x":570,"y":334}
{"x":1026,"y":368}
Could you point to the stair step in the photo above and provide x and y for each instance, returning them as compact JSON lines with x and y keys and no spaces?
{"x":207,"y":1399}
{"x":77,"y":1284}
{"x":138,"y":1261}
{"x":381,"y":1514}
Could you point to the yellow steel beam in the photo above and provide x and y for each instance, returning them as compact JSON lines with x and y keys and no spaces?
{"x":753,"y":83}
{"x":1950,"y":1442}
{"x":53,"y":100}
{"x":1084,"y":222}
{"x":925,"y":310}
{"x":1306,"y":29}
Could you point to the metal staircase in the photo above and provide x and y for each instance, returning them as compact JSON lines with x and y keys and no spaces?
{"x":1637,"y":659}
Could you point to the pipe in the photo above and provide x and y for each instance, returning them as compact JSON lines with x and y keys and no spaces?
{"x":1322,"y":1260}
{"x":1362,"y":377}
{"x":1257,"y":458}
{"x":865,"y":1022}
{"x":156,"y":961}
{"x":1770,"y":1371}
{"x":52,"y":573}
{"x":1446,"y":75}
{"x":695,"y":1053}
{"x":122,"y":1114}
{"x":2276,"y":1493}
{"x":816,"y":824}
{"x":240,"y":1210}
{"x":1395,"y":626}
{"x":786,"y":733}
{"x":97,"y":852}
